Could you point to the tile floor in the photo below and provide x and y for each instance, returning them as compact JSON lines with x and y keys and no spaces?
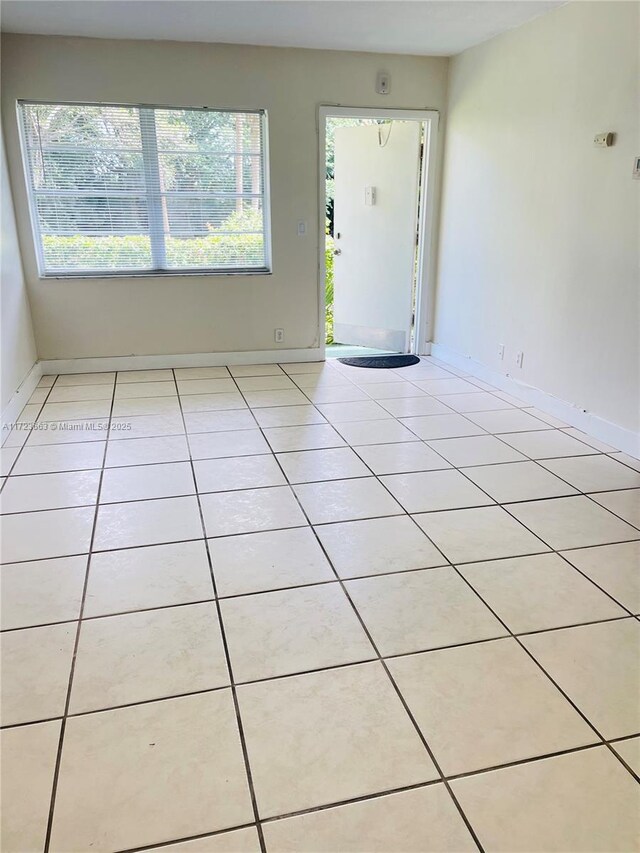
{"x":315,"y":608}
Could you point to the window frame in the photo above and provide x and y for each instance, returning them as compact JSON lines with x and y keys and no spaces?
{"x":36,"y":234}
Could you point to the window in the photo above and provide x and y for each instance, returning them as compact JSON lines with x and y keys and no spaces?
{"x":117,"y":190}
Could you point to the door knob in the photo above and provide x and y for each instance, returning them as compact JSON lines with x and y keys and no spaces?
{"x":337,"y":251}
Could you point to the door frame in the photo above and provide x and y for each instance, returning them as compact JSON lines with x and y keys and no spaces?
{"x":425,"y":277}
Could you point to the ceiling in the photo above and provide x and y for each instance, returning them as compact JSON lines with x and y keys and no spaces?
{"x":423,"y":27}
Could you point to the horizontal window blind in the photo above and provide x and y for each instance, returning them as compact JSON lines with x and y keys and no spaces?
{"x":118,"y":189}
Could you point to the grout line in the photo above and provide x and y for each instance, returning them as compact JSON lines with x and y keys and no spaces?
{"x":234,"y":694}
{"x":56,"y":774}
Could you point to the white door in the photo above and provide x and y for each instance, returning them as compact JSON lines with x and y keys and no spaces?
{"x":375,"y":220}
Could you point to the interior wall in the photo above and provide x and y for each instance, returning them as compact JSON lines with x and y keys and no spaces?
{"x":166,"y":315}
{"x":17,"y":344}
{"x":539,"y":228}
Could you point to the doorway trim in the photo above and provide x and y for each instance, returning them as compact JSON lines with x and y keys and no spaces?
{"x":425,"y":277}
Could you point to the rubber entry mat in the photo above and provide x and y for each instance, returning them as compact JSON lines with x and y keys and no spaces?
{"x":381,"y":361}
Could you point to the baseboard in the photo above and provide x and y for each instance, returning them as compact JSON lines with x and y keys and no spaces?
{"x":593,"y":425}
{"x":198,"y":359}
{"x":19,"y":399}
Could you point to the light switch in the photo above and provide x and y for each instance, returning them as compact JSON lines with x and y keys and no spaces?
{"x":369,"y":196}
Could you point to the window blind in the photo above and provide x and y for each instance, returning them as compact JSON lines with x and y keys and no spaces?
{"x":136,"y":189}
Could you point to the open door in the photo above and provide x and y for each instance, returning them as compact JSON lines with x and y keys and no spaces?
{"x":377,"y":171}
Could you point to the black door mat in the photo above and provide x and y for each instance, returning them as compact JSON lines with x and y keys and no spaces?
{"x":381,"y":361}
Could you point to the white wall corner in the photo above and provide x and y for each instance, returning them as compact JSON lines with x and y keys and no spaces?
{"x":623,"y":439}
{"x":19,"y":399}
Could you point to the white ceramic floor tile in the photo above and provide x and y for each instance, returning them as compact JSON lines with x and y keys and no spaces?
{"x":392,"y":390}
{"x":147,"y":451}
{"x":238,"y":472}
{"x":282,"y":416}
{"x":481,"y":401}
{"x":453,"y":385}
{"x":348,"y":393}
{"x":294,"y":630}
{"x":218,"y":445}
{"x":126,"y":390}
{"x":587,"y":439}
{"x":368,"y":410}
{"x":82,"y":379}
{"x":41,"y":592}
{"x":597,"y":667}
{"x":236,"y":841}
{"x":74,"y":393}
{"x":358,"y":433}
{"x":377,"y":546}
{"x":547,"y":444}
{"x":40,"y":535}
{"x":149,"y":773}
{"x":137,"y":657}
{"x":144,"y":578}
{"x":311,"y":437}
{"x":408,"y":407}
{"x":475,"y":450}
{"x":573,"y":523}
{"x":329,"y":736}
{"x":264,"y":383}
{"x":219,"y":421}
{"x":401,"y":457}
{"x":629,"y":751}
{"x":328,"y":379}
{"x":141,"y":482}
{"x":538,"y":593}
{"x":127,"y":525}
{"x":346,"y":500}
{"x":415,"y":611}
{"x":302,"y":367}
{"x":580,"y":802}
{"x":60,"y":457}
{"x":36,"y":664}
{"x":625,"y":504}
{"x":146,"y":426}
{"x":69,"y":432}
{"x":201,"y":373}
{"x":257,"y":562}
{"x":487,"y":704}
{"x":8,"y":457}
{"x":49,"y":491}
{"x":424,"y":820}
{"x":310,"y":466}
{"x":28,"y":765}
{"x":231,"y":513}
{"x":630,"y":461}
{"x":124,"y":408}
{"x":614,"y":568}
{"x":508,"y":420}
{"x":265,"y":399}
{"x":518,"y":481}
{"x":594,"y":473}
{"x":74,"y":411}
{"x":219,"y":402}
{"x":441,"y":426}
{"x":206,"y":386}
{"x":425,"y":491}
{"x":255,"y":370}
{"x":485,"y":533}
{"x":153,"y":375}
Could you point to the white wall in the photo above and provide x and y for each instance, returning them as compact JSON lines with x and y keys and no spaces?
{"x":540,"y":230}
{"x":98,"y":317}
{"x":17,"y":345}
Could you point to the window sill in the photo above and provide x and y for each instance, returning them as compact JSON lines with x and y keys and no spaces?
{"x":154,"y":274}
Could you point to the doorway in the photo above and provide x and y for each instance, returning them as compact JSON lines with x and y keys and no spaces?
{"x":376,"y":170}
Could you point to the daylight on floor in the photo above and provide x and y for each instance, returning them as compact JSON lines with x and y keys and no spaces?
{"x":320,"y":380}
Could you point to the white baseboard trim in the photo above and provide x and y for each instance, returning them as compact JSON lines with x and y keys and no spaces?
{"x":19,"y":399}
{"x":593,"y":425}
{"x":198,"y":359}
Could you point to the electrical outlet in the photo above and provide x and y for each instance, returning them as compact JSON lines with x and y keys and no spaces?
{"x":519,"y":358}
{"x":278,"y":335}
{"x":500,"y":351}
{"x":302,"y":228}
